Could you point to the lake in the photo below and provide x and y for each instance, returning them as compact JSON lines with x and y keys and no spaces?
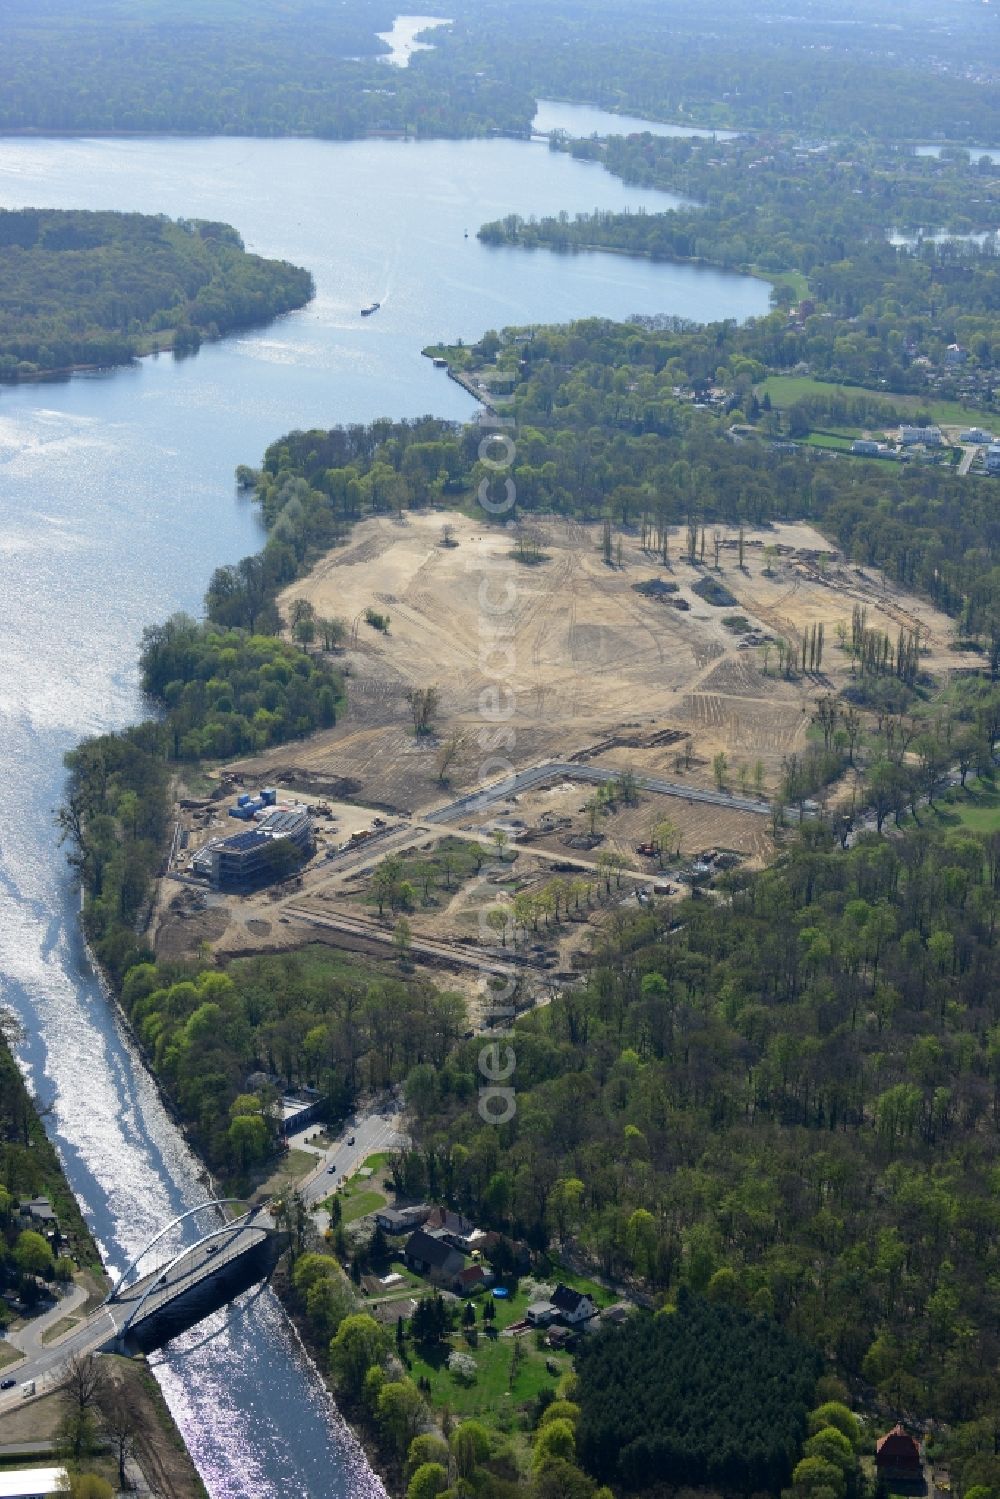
{"x":582,"y":120}
{"x":402,"y":39}
{"x":118,"y":501}
{"x":993,"y":152}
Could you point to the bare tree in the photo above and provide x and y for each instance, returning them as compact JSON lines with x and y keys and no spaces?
{"x":121,"y":1423}
{"x":451,"y":750}
{"x":84,"y":1379}
{"x":423,"y":703}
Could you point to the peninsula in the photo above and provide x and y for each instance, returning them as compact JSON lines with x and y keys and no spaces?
{"x":84,"y":289}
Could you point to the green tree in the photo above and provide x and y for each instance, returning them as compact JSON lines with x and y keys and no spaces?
{"x":401,"y":1413}
{"x":427,"y":1481}
{"x":32,"y":1255}
{"x":358,"y":1344}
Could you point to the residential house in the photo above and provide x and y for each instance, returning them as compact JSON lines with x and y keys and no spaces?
{"x":33,"y":1483}
{"x":573,"y":1306}
{"x":472,"y":1279}
{"x":540,"y":1313}
{"x":402,"y":1220}
{"x":616,"y":1314}
{"x":993,"y":458}
{"x":929,"y":436}
{"x":456,"y":1230}
{"x":435,"y":1259}
{"x":40,"y":1209}
{"x":865,"y":445}
{"x":897,"y":1455}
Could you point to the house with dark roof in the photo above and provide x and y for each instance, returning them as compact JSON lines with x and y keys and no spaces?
{"x":433,"y":1258}
{"x":573,"y":1306}
{"x":897,"y":1455}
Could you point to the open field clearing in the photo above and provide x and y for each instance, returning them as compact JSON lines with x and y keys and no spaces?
{"x":587,"y":657}
{"x":594,"y":665}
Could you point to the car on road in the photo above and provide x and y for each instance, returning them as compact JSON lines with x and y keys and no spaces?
{"x":351,"y":1140}
{"x":331,"y":1169}
{"x":7,"y":1384}
{"x":212,"y":1249}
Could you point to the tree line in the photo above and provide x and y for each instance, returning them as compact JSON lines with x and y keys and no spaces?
{"x":98,"y":288}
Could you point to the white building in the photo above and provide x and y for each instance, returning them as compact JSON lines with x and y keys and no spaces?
{"x":993,"y":458}
{"x":929,"y":436}
{"x":33,"y":1483}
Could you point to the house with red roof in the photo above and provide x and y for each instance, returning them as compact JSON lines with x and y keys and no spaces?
{"x":897,"y":1455}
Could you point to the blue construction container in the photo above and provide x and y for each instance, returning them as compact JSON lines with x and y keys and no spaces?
{"x":269,"y":796}
{"x":242,"y":800}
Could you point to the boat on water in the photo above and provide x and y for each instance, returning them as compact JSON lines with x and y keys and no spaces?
{"x":372,"y":307}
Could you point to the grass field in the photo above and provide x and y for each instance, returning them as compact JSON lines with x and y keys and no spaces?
{"x":504,"y":1381}
{"x":58,"y":1329}
{"x":785,"y":390}
{"x":357,"y":1199}
{"x":829,"y":440}
{"x":977,"y":808}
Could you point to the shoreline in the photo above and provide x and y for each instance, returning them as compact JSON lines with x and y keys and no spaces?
{"x":277,"y":1281}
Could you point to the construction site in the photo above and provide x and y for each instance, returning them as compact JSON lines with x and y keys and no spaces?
{"x":599,"y":725}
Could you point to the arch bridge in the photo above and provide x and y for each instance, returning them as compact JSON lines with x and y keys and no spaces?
{"x":149,"y":1309}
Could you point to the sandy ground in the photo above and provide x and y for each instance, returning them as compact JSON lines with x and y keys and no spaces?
{"x":558,"y":660}
{"x":585,"y":654}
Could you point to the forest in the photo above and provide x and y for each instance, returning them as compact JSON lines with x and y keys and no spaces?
{"x":788,"y":1102}
{"x":876,"y":313}
{"x":316,"y":70}
{"x":709,"y":1396}
{"x":239,"y":67}
{"x":82,"y":288}
{"x":227,"y":1044}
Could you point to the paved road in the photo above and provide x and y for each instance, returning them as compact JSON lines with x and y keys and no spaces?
{"x":29,"y":1338}
{"x":569,"y":770}
{"x":373,"y":1130}
{"x":44,"y":1363}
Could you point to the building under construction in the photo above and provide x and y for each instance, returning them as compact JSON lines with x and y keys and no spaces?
{"x":279,"y":842}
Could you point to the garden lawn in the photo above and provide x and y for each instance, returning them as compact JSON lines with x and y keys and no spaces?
{"x":492,"y":1398}
{"x":357,"y":1201}
{"x":785,"y":390}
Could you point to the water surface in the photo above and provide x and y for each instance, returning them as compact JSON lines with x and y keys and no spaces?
{"x":402,"y":39}
{"x":582,"y":120}
{"x":975,"y":152}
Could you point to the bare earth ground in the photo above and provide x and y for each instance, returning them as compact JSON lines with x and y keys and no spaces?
{"x":587,"y":654}
{"x":558,"y":660}
{"x":161,"y":1453}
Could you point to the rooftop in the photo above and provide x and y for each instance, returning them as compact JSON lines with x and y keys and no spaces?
{"x":27,"y":1483}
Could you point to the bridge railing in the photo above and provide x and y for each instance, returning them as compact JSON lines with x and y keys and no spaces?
{"x":215,"y":1202}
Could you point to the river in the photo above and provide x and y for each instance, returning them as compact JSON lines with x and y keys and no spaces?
{"x":117,"y":499}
